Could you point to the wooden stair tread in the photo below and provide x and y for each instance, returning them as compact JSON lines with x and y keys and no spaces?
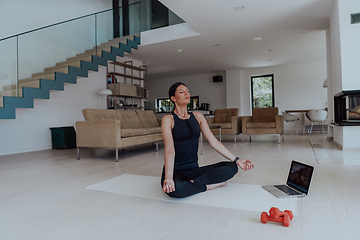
{"x":62,"y":69}
{"x":49,"y":76}
{"x":66,"y":64}
{"x":70,"y":62}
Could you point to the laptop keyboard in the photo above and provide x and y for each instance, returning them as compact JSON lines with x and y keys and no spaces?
{"x":287,"y":190}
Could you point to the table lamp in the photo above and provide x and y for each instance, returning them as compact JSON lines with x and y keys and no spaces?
{"x":105,"y":92}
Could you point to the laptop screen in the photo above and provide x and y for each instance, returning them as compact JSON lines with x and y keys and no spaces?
{"x":300,"y":176}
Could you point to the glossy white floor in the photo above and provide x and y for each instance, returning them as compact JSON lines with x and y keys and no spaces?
{"x":43,"y":197}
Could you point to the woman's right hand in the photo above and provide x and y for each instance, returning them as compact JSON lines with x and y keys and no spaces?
{"x":169,"y":185}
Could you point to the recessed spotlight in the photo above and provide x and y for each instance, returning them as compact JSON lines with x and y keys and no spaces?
{"x":239,"y":8}
{"x":181,"y":50}
{"x":217,"y":45}
{"x":256,"y":39}
{"x":266,"y":51}
{"x":303,"y":32}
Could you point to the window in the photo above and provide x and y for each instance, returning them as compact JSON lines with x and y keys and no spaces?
{"x":262,"y":91}
{"x":165,"y":104}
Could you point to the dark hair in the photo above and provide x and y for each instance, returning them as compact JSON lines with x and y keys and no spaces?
{"x":173,"y":88}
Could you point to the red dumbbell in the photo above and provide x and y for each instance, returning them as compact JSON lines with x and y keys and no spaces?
{"x":275,"y":215}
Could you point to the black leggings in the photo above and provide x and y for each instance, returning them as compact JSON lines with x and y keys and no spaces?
{"x":201,"y":176}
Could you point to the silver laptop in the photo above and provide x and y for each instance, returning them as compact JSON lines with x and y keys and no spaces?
{"x":298,"y":182}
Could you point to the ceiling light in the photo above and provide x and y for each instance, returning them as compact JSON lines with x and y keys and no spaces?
{"x":217,"y":45}
{"x":303,"y":32}
{"x":266,"y":51}
{"x":269,"y":60}
{"x":256,"y":39}
{"x":239,"y":8}
{"x":181,"y":50}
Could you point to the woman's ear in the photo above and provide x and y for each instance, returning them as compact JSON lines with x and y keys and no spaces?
{"x":173,"y":98}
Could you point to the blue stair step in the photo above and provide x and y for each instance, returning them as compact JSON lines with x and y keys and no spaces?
{"x":89,"y":65}
{"x":42,"y":93}
{"x":18,"y":102}
{"x":50,"y":84}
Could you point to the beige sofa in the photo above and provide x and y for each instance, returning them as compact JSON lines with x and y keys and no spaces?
{"x":228,"y":120}
{"x":117,"y":129}
{"x":263,"y":121}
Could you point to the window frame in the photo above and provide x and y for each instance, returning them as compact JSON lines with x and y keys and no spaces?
{"x":272,"y":86}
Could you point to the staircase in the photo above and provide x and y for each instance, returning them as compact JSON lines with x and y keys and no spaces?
{"x":54,"y":78}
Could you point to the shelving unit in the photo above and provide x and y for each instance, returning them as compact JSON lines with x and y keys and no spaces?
{"x":129,"y":86}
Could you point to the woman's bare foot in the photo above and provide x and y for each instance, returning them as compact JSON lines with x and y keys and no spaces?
{"x":213,"y":186}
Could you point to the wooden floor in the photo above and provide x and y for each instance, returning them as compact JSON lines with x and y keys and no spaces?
{"x":42,"y":195}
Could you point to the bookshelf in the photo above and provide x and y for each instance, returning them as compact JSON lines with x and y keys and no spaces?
{"x":128,"y":84}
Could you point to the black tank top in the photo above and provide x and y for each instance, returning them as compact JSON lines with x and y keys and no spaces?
{"x":186,"y":134}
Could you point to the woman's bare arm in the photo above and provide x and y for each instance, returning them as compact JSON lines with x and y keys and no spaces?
{"x":169,"y":153}
{"x":218,"y":146}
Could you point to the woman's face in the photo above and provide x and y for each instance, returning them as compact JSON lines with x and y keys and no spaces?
{"x":182,"y":95}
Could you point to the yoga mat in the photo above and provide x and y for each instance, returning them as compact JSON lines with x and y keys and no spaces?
{"x":233,"y":195}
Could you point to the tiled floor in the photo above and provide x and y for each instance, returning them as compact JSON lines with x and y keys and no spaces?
{"x":42,"y":195}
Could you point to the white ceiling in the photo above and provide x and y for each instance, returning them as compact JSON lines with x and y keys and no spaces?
{"x":280,"y":23}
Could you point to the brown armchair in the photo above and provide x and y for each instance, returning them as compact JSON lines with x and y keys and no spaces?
{"x":228,"y":120}
{"x":263,"y":121}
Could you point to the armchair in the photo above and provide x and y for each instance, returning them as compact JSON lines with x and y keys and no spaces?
{"x":263,"y":121}
{"x":228,"y":120}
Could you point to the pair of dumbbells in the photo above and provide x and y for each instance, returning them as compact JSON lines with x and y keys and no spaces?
{"x":275,"y":215}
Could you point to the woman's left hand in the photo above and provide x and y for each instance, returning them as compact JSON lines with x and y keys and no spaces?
{"x":245,"y":164}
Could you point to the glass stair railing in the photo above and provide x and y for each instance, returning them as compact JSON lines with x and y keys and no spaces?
{"x":35,"y":62}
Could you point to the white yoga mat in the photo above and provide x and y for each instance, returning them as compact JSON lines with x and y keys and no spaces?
{"x":233,"y":195}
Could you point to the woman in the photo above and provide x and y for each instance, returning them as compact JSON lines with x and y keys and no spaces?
{"x":182,"y":176}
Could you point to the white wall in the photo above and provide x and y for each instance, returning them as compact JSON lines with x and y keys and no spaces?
{"x":345,"y":63}
{"x":25,"y":15}
{"x":350,"y":47}
{"x":233,"y":99}
{"x":330,"y":90}
{"x":297,"y":86}
{"x":30,"y":130}
{"x":201,"y":85}
{"x":335,"y":49}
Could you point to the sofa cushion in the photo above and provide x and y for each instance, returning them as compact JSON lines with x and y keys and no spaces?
{"x":260,"y":125}
{"x":147,"y":119}
{"x":98,"y":114}
{"x":133,"y":132}
{"x":129,"y":119}
{"x":224,"y":115}
{"x":153,"y":130}
{"x":264,"y":114}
